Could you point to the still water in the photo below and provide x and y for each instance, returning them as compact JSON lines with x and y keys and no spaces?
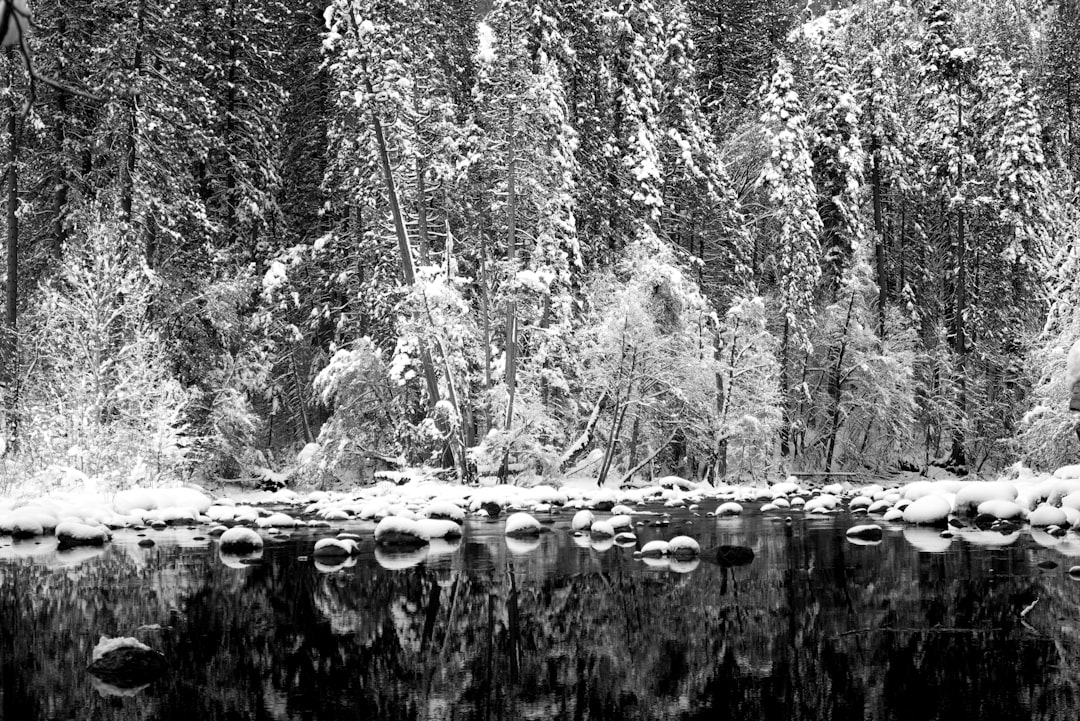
{"x":815,"y":627}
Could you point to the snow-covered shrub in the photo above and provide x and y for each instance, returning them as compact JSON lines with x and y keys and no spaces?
{"x":857,"y":396}
{"x":96,"y":391}
{"x":750,"y":414}
{"x":1046,"y":437}
{"x":365,"y":410}
{"x":647,"y":346}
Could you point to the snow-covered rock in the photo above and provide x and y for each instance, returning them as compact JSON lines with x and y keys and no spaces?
{"x":786,"y":488}
{"x":866,"y":531}
{"x":279,"y":520}
{"x":522,"y":524}
{"x":582,"y":520}
{"x":918,"y":489}
{"x":1070,"y":471}
{"x":928,"y":510}
{"x":683,"y":547}
{"x":974,"y":493}
{"x":602,"y":529}
{"x":1047,"y":515}
{"x":880,"y":506}
{"x":731,"y":508}
{"x":240,"y":540}
{"x":444,"y":510}
{"x":335,"y":547}
{"x":439,"y":528}
{"x":621,"y":523}
{"x":221,"y":513}
{"x":73,"y":533}
{"x":999,"y":508}
{"x":892,"y":515}
{"x":124,"y":664}
{"x":400,"y":531}
{"x":860,"y":502}
{"x":604,"y":500}
{"x":655,"y":548}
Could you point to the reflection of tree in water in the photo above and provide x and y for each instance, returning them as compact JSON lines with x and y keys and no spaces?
{"x":815,"y":628}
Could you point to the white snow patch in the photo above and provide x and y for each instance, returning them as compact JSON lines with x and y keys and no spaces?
{"x":485,"y":43}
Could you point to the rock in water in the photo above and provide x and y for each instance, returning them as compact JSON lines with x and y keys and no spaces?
{"x":684,"y":547}
{"x":522,"y":524}
{"x":866,"y":532}
{"x":71,"y":533}
{"x":400,"y":531}
{"x":126,"y":663}
{"x":240,"y":540}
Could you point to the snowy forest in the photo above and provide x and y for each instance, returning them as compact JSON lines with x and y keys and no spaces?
{"x":726,"y":239}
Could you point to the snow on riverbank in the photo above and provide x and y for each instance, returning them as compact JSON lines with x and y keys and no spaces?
{"x":425,"y":510}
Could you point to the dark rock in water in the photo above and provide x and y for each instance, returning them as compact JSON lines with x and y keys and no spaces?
{"x":730,"y":556}
{"x":129,"y":667}
{"x":603,"y":505}
{"x":159,"y":525}
{"x":1047,"y":565}
{"x":983,"y":521}
{"x":1006,"y":527}
{"x":493,"y":509}
{"x":956,"y":523}
{"x":146,"y":543}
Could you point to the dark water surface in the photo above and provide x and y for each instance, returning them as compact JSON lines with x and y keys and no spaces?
{"x":815,"y":627}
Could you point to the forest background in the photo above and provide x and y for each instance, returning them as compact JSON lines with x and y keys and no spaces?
{"x":728,"y":239}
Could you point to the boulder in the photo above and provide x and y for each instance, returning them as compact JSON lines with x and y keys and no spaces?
{"x":866,"y":532}
{"x":126,"y":663}
{"x":70,"y":533}
{"x":240,"y":540}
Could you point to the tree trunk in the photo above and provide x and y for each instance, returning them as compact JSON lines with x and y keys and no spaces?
{"x":633,"y":471}
{"x":231,"y":201}
{"x":785,"y":426}
{"x":958,"y":454}
{"x":408,"y":270}
{"x":834,"y":387}
{"x":510,"y":333}
{"x":60,"y":178}
{"x":578,"y":446}
{"x":9,"y":362}
{"x":879,"y":243}
{"x":127,"y":168}
{"x":421,"y":215}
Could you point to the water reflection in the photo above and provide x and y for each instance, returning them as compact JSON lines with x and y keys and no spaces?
{"x":810,"y":626}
